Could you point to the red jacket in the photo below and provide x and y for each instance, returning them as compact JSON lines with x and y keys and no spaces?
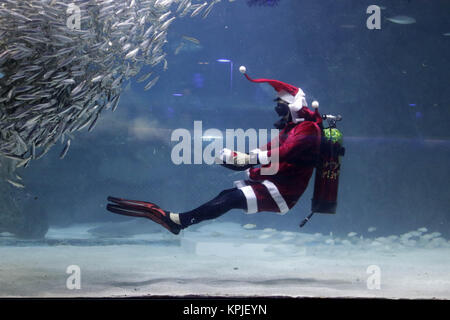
{"x":299,"y":146}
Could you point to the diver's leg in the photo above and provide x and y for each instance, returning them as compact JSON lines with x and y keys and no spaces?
{"x":174,"y":222}
{"x":224,"y":202}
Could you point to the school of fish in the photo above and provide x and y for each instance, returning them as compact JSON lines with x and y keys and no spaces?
{"x":63,"y":62}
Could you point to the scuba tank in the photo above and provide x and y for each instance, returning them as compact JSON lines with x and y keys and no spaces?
{"x":327,"y":169}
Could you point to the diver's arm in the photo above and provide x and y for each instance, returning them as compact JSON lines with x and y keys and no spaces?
{"x":301,"y":144}
{"x":238,"y":161}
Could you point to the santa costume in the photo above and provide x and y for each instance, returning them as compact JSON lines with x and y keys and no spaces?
{"x":293,"y":152}
{"x":297,"y":152}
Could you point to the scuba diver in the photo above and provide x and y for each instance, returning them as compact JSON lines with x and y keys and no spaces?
{"x":299,"y":143}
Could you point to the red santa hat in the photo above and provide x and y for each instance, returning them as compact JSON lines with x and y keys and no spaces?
{"x":295,"y":97}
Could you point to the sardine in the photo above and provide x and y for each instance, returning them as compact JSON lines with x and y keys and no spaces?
{"x":164,"y":16}
{"x":191,"y":39}
{"x":65,"y":150}
{"x":151,"y":83}
{"x":208,"y":10}
{"x":55,"y":79}
{"x":145,"y":77}
{"x":132,"y":54}
{"x":199,"y":9}
{"x":15,"y":184}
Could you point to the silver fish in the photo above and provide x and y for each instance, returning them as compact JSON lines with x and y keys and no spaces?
{"x":92,"y":126}
{"x":402,"y":20}
{"x":145,"y":77}
{"x":23,"y":163}
{"x":151,"y":83}
{"x":132,"y":54}
{"x":182,"y":5}
{"x":62,"y":79}
{"x":199,"y":9}
{"x":65,"y":150}
{"x":15,"y":184}
{"x":166,"y":24}
{"x":164,"y":16}
{"x":97,"y":78}
{"x":115,"y":103}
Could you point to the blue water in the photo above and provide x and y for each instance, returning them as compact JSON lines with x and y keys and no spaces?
{"x":392,"y":178}
{"x":389,"y":85}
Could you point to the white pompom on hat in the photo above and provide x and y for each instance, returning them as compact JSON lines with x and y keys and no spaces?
{"x":294,"y":96}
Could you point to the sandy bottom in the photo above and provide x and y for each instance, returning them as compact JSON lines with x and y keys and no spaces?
{"x":234,"y":261}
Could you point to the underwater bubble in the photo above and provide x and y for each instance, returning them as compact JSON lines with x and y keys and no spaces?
{"x":351,"y":234}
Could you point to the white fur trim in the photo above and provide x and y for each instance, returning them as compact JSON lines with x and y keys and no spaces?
{"x":250,"y":196}
{"x":295,"y":103}
{"x":247,"y":174}
{"x":257,"y":154}
{"x":276,"y":196}
{"x":289,"y":98}
{"x":239,"y":184}
{"x":226,"y":155}
{"x":263,"y":157}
